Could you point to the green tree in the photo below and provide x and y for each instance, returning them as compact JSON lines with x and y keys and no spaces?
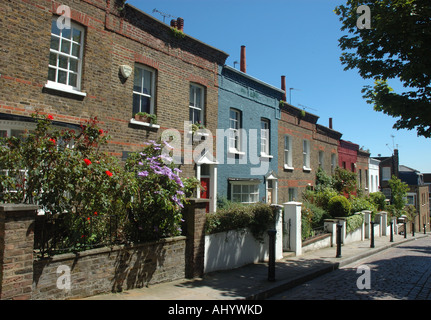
{"x":398,"y":193}
{"x":397,"y":46}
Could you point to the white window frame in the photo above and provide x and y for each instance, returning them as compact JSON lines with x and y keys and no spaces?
{"x":386,"y":173}
{"x":333,"y":162}
{"x":55,"y":84}
{"x":265,"y":135}
{"x":306,"y":155}
{"x":151,"y":94}
{"x":242,"y":193}
{"x":196,"y":104}
{"x":292,"y":194}
{"x":235,"y":131}
{"x":320,"y":158}
{"x":411,"y":195}
{"x":288,"y":152}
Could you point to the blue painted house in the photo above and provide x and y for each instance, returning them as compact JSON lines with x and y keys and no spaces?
{"x":247,"y":148}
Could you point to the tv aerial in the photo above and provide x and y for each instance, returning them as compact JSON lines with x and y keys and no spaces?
{"x":305,"y":107}
{"x":165,"y":15}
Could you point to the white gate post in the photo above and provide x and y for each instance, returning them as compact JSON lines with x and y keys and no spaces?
{"x":279,"y":228}
{"x":292,"y":211}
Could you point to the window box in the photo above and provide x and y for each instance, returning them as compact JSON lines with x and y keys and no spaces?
{"x":144,"y":124}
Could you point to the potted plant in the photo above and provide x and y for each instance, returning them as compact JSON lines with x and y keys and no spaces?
{"x":146,"y":117}
{"x":196,"y":126}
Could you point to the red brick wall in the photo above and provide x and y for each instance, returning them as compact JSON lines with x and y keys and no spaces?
{"x":112,"y":38}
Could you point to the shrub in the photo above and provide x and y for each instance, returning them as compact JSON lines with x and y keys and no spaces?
{"x":339,"y":206}
{"x":378,"y":199}
{"x":354,"y":222}
{"x":259,"y":217}
{"x":359,"y":204}
{"x":312,"y":217}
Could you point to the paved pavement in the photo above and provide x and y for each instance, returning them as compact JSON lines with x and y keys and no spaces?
{"x":251,"y":282}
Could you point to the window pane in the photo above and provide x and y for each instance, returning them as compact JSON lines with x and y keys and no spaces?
{"x":199,"y":98}
{"x":136,"y":103}
{"x":75,"y":50}
{"x":65,"y":46}
{"x":52,"y":59}
{"x":236,"y":198}
{"x":51,"y":74}
{"x":3,"y":134}
{"x":54,"y":28}
{"x":147,"y":82}
{"x":76,"y":35}
{"x":145,"y":104}
{"x":62,"y":62}
{"x":192,"y":96}
{"x":236,"y":189}
{"x":72,"y":79}
{"x":62,"y":77}
{"x":73,"y":65}
{"x":137,"y":82}
{"x":66,"y":33}
{"x":55,"y":43}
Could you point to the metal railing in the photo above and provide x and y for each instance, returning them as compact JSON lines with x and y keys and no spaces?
{"x":63,"y":233}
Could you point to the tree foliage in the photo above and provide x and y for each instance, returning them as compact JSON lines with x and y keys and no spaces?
{"x":397,"y":46}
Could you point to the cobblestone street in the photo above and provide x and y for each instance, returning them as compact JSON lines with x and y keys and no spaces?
{"x":399,"y":273}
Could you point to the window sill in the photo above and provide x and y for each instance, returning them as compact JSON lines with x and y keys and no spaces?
{"x":199,"y":134}
{"x":286,"y":167}
{"x":144,"y":124}
{"x":306,"y":169}
{"x":62,"y":88}
{"x":236,"y":152}
{"x":266,"y":156}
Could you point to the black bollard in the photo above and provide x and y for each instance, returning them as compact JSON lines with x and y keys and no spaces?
{"x":372,"y":234}
{"x":392,"y":232}
{"x":405,"y":229}
{"x":425,"y":228}
{"x":413,"y":229}
{"x":338,"y":240}
{"x":271,"y":262}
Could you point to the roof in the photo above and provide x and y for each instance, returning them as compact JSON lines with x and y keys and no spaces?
{"x":403,"y":168}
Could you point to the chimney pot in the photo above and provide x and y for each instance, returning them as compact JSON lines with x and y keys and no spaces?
{"x":330,"y":123}
{"x":180,"y":24}
{"x":173,"y":23}
{"x":242,"y":62}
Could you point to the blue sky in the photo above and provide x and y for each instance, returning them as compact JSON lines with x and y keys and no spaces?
{"x":298,"y":39}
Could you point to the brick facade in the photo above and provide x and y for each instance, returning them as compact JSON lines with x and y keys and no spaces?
{"x":113,"y":36}
{"x":300,"y":127}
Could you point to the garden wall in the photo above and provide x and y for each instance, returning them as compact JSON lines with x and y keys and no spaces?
{"x":106,"y":269}
{"x":110,"y":269}
{"x":233,"y":249}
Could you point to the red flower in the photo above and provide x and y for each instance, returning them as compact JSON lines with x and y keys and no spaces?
{"x":100,"y":131}
{"x":50,"y":117}
{"x":108,"y":173}
{"x":52,"y":140}
{"x":95,"y":213}
{"x":87,"y":162}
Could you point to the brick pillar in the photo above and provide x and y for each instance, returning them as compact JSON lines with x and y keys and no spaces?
{"x":194,"y":216}
{"x":16,"y":250}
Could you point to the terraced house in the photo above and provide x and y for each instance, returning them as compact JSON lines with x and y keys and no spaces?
{"x":247,"y":153}
{"x":304,"y":146}
{"x":77,"y":60}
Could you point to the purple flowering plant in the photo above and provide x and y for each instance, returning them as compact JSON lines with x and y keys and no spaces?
{"x":159,"y":195}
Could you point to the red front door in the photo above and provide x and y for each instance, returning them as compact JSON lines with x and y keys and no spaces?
{"x":205,"y":191}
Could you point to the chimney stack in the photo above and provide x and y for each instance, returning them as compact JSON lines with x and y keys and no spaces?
{"x":330,"y":123}
{"x":242,"y":62}
{"x":283,"y":86}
